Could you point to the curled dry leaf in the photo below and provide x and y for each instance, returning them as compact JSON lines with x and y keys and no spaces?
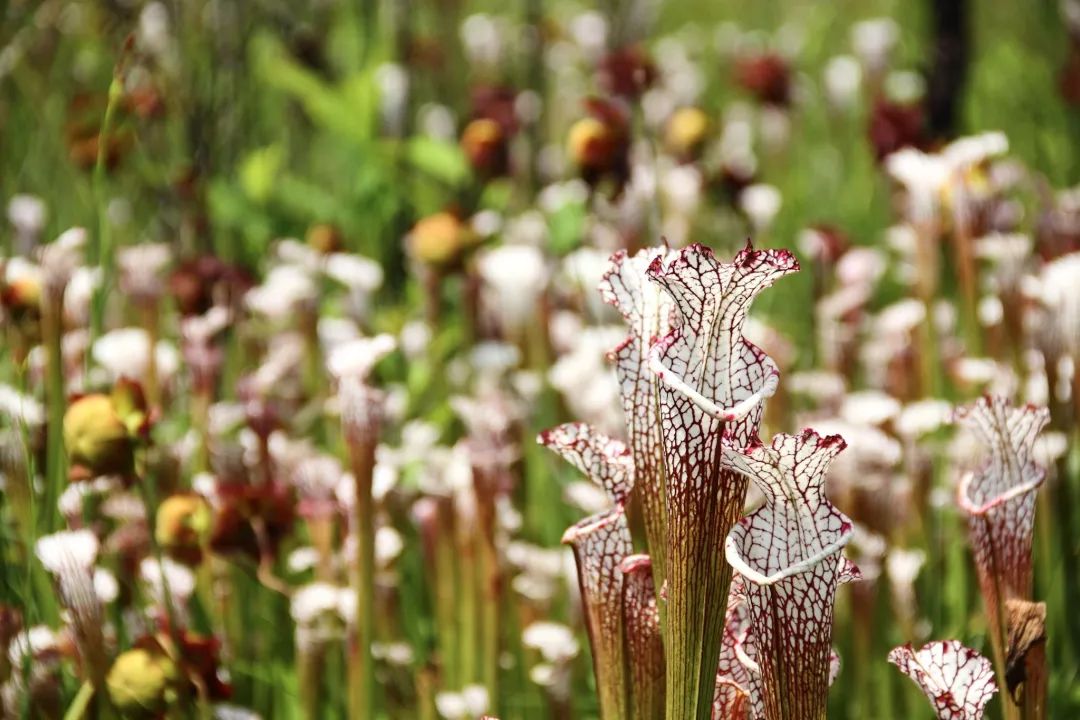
{"x":957,"y":680}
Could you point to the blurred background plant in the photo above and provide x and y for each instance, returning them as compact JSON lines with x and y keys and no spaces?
{"x":184,"y":381}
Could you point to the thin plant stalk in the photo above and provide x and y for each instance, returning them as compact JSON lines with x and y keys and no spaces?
{"x":56,"y":459}
{"x":468,"y":571}
{"x":149,"y":313}
{"x":101,"y":251}
{"x":489,"y":580}
{"x":361,"y":663}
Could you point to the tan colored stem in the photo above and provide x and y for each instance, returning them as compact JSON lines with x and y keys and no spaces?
{"x":361,"y":663}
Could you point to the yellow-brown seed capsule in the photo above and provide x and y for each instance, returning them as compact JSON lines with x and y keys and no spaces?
{"x":440,"y":239}
{"x":183,"y":527}
{"x":142,"y":683}
{"x":686,"y":131}
{"x":96,"y":438}
{"x":591,"y":144}
{"x":325,"y":238}
{"x":484,"y":145}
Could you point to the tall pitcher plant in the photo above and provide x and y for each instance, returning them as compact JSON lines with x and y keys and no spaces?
{"x":693,"y":388}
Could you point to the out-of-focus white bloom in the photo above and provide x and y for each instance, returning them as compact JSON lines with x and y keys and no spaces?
{"x":586,"y":496}
{"x":470,"y":703}
{"x":290,"y":251}
{"x":587,"y":381}
{"x":105,"y":585}
{"x":821,"y":385}
{"x":482,"y":37}
{"x":224,"y":711}
{"x":514,"y":277}
{"x":990,"y":311}
{"x":315,"y":600}
{"x":141,"y":267}
{"x":27,"y":214}
{"x":69,"y":556}
{"x":19,"y":269}
{"x":530,"y":228}
{"x":357,"y":358}
{"x":681,"y":186}
{"x":901,"y":317}
{"x":528,"y":106}
{"x":436,"y":121}
{"x":861,"y":266}
{"x":1050,"y":447}
{"x":761,"y":203}
{"x":584,"y":269}
{"x":414,"y":337}
{"x":1060,"y":295}
{"x":873,"y":41}
{"x":923,"y":176}
{"x":843,"y":78}
{"x":590,"y":31}
{"x":967,"y":151}
{"x":59,"y":260}
{"x":1009,"y":253}
{"x":903,"y":566}
{"x":393,"y":82}
{"x":555,"y":642}
{"x":202,"y":328}
{"x":556,"y":196}
{"x":79,"y":293}
{"x":923,"y":417}
{"x":399,"y":654}
{"x":388,"y":545}
{"x":35,"y":642}
{"x":359,"y":274}
{"x":167,"y":579}
{"x":286,"y":289}
{"x":302,"y":559}
{"x":871,"y":454}
{"x":20,"y":408}
{"x":67,"y":551}
{"x":476,"y":699}
{"x":317,"y":477}
{"x":486,"y":223}
{"x":905,"y":86}
{"x":335,"y":331}
{"x":451,"y":705}
{"x":869,"y":407}
{"x":867,"y":549}
{"x":125,"y":353}
{"x":70,"y":502}
{"x":393,"y":653}
{"x":775,"y":127}
{"x":153,"y":30}
{"x":124,"y":507}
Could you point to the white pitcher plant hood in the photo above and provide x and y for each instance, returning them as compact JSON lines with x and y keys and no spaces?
{"x":712,"y":382}
{"x":601,"y":543}
{"x":788,"y":554}
{"x":647,"y":310}
{"x":999,"y":500}
{"x":956,"y":680}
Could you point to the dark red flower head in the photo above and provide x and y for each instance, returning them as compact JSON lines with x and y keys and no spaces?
{"x":767,"y":77}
